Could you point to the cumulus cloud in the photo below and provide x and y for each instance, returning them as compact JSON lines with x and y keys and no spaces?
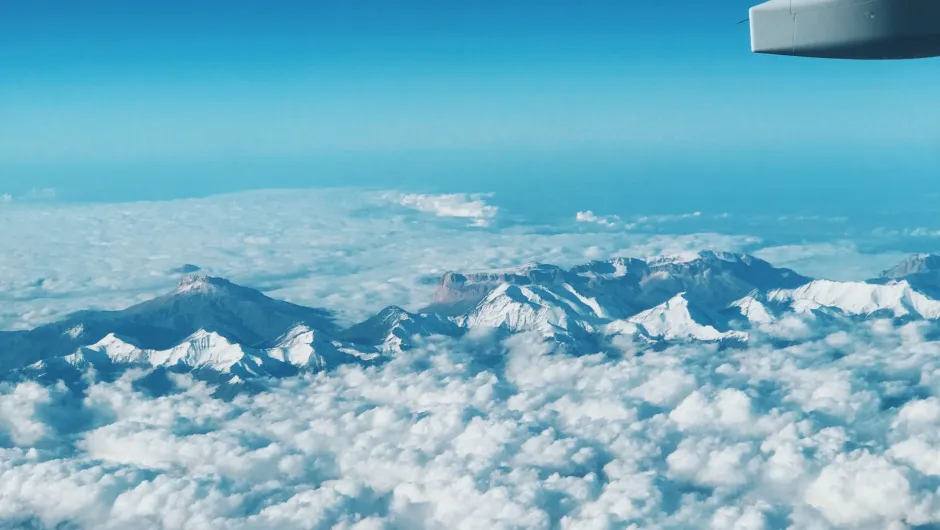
{"x":860,"y":489}
{"x":18,"y":410}
{"x":462,"y":205}
{"x":837,"y":430}
{"x":348,"y":250}
{"x":590,"y":217}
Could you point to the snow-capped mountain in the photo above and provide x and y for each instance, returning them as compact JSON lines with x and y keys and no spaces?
{"x":921,"y":271}
{"x":897,"y":299}
{"x":677,"y":320}
{"x":626,"y":286}
{"x":212,"y":326}
{"x":393,"y":329}
{"x":754,"y":308}
{"x":240,"y":315}
{"x":878,"y":298}
{"x":300,"y":349}
{"x":913,"y":265}
{"x":669,"y":298}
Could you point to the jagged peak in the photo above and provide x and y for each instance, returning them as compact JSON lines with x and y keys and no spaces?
{"x":676,"y":318}
{"x":682,"y":257}
{"x":494,"y":275}
{"x":913,"y":264}
{"x":861,"y":298}
{"x":294,"y":332}
{"x":112,"y":340}
{"x":205,"y":334}
{"x":677,"y":302}
{"x":859,"y":286}
{"x":200,"y":283}
{"x":75,"y":331}
{"x":610,"y":268}
{"x":617,"y":267}
{"x":393,"y":311}
{"x":752,"y":308}
{"x":702,"y":255}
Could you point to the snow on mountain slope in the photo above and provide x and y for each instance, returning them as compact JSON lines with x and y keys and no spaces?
{"x":393,"y":329}
{"x":458,"y":292}
{"x":211,"y":324}
{"x":202,"y":350}
{"x":302,"y":348}
{"x":625,"y":286}
{"x":557,"y":312}
{"x":116,"y":350}
{"x":675,"y":320}
{"x":914,"y":264}
{"x":921,"y":271}
{"x":517,"y":308}
{"x":241,"y":315}
{"x":296,"y":347}
{"x":715,"y":279}
{"x":612,"y":268}
{"x":753,"y":309}
{"x":859,"y":298}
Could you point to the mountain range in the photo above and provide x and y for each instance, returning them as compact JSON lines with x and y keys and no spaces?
{"x":227,"y":333}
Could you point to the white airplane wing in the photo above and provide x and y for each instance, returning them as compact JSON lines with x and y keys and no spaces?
{"x":847,"y":29}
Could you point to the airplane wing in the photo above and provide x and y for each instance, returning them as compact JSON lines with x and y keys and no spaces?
{"x":847,"y":29}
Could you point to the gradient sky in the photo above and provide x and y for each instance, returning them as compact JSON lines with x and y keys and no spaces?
{"x":114,"y":100}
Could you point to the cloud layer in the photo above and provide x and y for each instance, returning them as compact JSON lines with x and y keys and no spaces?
{"x":351,"y":250}
{"x":812,"y":425}
{"x":836,"y":430}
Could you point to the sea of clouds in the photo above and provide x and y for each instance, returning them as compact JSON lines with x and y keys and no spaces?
{"x":810,"y":426}
{"x":837,"y":429}
{"x":349,"y":250}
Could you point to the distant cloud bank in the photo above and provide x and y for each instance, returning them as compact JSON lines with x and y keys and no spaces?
{"x":462,"y":205}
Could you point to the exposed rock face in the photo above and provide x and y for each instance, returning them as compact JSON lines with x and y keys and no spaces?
{"x":710,"y":278}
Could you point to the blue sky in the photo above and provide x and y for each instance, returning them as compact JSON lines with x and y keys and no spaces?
{"x":109,"y":100}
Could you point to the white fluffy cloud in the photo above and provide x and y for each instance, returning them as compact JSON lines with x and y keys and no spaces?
{"x":462,"y":205}
{"x":473,"y":433}
{"x":588,"y":216}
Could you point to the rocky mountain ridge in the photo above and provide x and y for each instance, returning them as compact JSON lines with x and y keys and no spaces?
{"x":232,"y":333}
